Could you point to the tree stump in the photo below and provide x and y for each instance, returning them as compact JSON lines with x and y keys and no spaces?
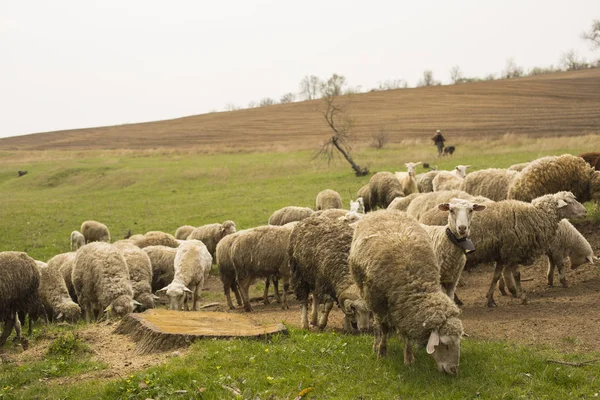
{"x":162,"y":330}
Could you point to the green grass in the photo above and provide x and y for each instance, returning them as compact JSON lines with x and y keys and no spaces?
{"x":158,"y":190}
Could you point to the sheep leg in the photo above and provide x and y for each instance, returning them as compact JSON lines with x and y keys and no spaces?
{"x":286,"y":286}
{"x":516,"y":274}
{"x":227,"y":291}
{"x":561,"y":274}
{"x":304,"y":313}
{"x":315,"y":310}
{"x":458,"y":301}
{"x":196,"y":297}
{"x":325,"y":315}
{"x":266,"y":292}
{"x":382,"y":350}
{"x":496,"y":277}
{"x":550,"y":272}
{"x":7,"y":330}
{"x":244,"y":286}
{"x":409,"y":356}
{"x":236,"y":292}
{"x":502,"y":285}
{"x":509,"y":279}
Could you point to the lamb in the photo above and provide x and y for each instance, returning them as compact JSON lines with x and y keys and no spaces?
{"x":593,"y":159}
{"x":518,"y":167}
{"x":407,"y":179}
{"x":54,"y":295}
{"x":162,"y":259}
{"x":19,"y":283}
{"x":95,"y":231}
{"x":63,"y":263}
{"x":261,"y":252}
{"x":140,"y":273}
{"x":327,"y":199}
{"x":425,"y":181}
{"x":318,"y":252}
{"x":155,"y":238}
{"x":192,"y":267}
{"x":211,"y":234}
{"x":384,"y":187}
{"x":452,"y":180}
{"x":351,"y":217}
{"x":557,"y":173}
{"x":290,"y":214}
{"x":393,"y":263}
{"x":365,"y":193}
{"x":492,"y":183}
{"x":77,"y":240}
{"x":513,"y":233}
{"x":358,"y":205}
{"x":184,"y":231}
{"x":450,"y":242}
{"x":101,"y":281}
{"x":226,"y":269}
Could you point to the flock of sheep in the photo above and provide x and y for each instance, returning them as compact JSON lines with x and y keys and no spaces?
{"x":396,"y":268}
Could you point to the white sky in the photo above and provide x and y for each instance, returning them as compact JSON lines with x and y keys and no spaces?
{"x":79,"y":63}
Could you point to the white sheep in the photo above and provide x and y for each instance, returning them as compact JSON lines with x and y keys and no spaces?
{"x":95,"y":231}
{"x":408,"y":179}
{"x":327,"y":199}
{"x":449,"y":180}
{"x":358,"y":205}
{"x":492,"y":183}
{"x":55,"y":296}
{"x":77,"y":240}
{"x":192,"y":267}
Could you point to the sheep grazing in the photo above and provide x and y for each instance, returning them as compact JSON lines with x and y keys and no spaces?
{"x":593,"y":159}
{"x":192,"y":267}
{"x":63,"y":263}
{"x":318,"y":252}
{"x":19,"y":283}
{"x":155,"y":238}
{"x":452,"y":180}
{"x":77,"y":240}
{"x":140,"y":273}
{"x":492,"y":183}
{"x":226,"y":269}
{"x":290,"y":214}
{"x":513,"y":233}
{"x":357,"y":206}
{"x":365,"y":193}
{"x":101,"y":281}
{"x":212,"y":234}
{"x":260,"y":253}
{"x":162,"y":259}
{"x":94,"y":231}
{"x":54,"y":295}
{"x":384,"y":187}
{"x":557,"y":173}
{"x":184,"y":231}
{"x":425,"y":181}
{"x":518,"y":167}
{"x":450,"y":242}
{"x":327,"y":199}
{"x":408,"y":179}
{"x":394,"y":265}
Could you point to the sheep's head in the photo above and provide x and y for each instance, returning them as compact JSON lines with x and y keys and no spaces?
{"x":77,"y":240}
{"x":566,"y":204}
{"x":68,"y":311}
{"x":228,"y":228}
{"x":461,"y":170}
{"x":412,"y":168}
{"x":358,"y":314}
{"x":357,"y":206}
{"x":176,"y":292}
{"x":460,"y":215}
{"x":147,"y":300}
{"x":444,"y":345}
{"x":351,"y":217}
{"x":121,"y":306}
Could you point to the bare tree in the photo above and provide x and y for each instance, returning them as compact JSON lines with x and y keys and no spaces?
{"x":252,"y":104}
{"x":392,"y":84}
{"x":341,"y":126}
{"x":231,"y":107}
{"x":593,"y":35}
{"x":427,"y":79}
{"x":334,"y":85}
{"x":456,"y":75}
{"x":571,"y":61}
{"x":267,"y":101}
{"x":381,"y":137}
{"x":512,"y":70}
{"x":288,"y":98}
{"x":310,"y":86}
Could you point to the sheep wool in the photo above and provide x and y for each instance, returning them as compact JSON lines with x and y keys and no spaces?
{"x":425,"y":181}
{"x":492,"y":183}
{"x":184,"y":231}
{"x":212,"y":234}
{"x":290,"y":214}
{"x":155,"y":238}
{"x":140,"y":273}
{"x":226,"y":268}
{"x":162,"y":259}
{"x":63,"y":263}
{"x":327,"y":199}
{"x":77,"y":240}
{"x":365,"y":193}
{"x":95,"y":231}
{"x":54,"y":295}
{"x":384,"y":188}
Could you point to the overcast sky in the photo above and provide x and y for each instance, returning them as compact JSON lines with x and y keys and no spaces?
{"x":68,"y":64}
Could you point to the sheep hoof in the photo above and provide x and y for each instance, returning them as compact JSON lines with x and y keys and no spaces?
{"x":492,"y":303}
{"x":564,"y":283}
{"x":524,"y":301}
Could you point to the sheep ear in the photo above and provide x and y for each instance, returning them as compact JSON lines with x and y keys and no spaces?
{"x":187,"y":290}
{"x":434,"y":340}
{"x":163,"y":289}
{"x":348,"y":306}
{"x":591,"y":259}
{"x":444,"y":207}
{"x":155,"y":297}
{"x":420,"y":162}
{"x":561,"y":203}
{"x":136,"y":303}
{"x":478,"y":207}
{"x":59,"y":316}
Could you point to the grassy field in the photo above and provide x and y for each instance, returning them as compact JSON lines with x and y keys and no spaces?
{"x":163,"y":189}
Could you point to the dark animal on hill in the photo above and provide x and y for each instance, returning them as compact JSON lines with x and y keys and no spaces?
{"x":449,"y":150}
{"x":593,"y":159}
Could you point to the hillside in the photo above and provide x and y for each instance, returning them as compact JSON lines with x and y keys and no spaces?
{"x":557,"y":104}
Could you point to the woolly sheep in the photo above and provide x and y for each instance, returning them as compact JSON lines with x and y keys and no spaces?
{"x":365,"y":193}
{"x":393,"y":263}
{"x":63,"y":263}
{"x":318,"y":251}
{"x":155,"y":238}
{"x":401,"y":203}
{"x":54,"y":295}
{"x":192,"y":267}
{"x":384,"y":187}
{"x":95,"y":231}
{"x":351,"y":217}
{"x":407,"y":179}
{"x":211,"y":234}
{"x":226,"y":269}
{"x":327,"y":199}
{"x":77,"y":240}
{"x":332,"y":213}
{"x":449,"y":180}
{"x":518,"y":167}
{"x":184,"y":231}
{"x":259,"y":253}
{"x":425,"y":181}
{"x":492,"y":183}
{"x":140,"y":273}
{"x":101,"y":281}
{"x":290,"y":214}
{"x":450,"y":256}
{"x":162,"y":259}
{"x":358,"y":205}
{"x":19,"y":282}
{"x":512,"y":232}
{"x":557,"y":173}
{"x":428,"y":201}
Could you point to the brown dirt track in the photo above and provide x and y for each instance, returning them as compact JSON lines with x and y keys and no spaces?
{"x":565,"y":103}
